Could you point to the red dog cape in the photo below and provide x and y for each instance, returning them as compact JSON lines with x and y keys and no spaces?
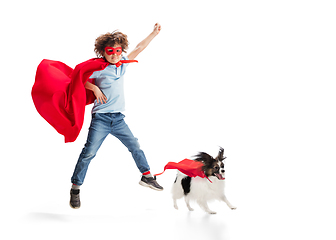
{"x":59,"y":94}
{"x":189,"y":167}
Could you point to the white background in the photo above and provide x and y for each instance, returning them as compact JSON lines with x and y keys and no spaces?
{"x":255,"y":77}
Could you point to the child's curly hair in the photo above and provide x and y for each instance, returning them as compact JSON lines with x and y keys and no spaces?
{"x":109,"y":40}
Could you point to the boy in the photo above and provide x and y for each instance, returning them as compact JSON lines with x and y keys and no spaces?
{"x":106,"y":112}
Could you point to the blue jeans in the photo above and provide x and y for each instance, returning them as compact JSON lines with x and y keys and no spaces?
{"x":101,"y":125}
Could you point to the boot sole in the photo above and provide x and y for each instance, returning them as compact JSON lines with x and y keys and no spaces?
{"x":150,"y":186}
{"x":74,"y":207}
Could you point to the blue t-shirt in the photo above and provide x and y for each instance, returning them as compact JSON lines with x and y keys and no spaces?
{"x":111,"y":83}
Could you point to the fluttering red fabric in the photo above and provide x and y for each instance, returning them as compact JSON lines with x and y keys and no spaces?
{"x":118,"y":64}
{"x":189,"y":167}
{"x":59,"y":94}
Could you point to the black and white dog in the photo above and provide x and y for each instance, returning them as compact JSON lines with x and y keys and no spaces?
{"x":201,"y":189}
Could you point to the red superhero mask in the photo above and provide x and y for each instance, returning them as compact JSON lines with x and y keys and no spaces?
{"x":111,"y":50}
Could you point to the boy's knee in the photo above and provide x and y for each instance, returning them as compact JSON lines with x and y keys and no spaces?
{"x":88,"y":152}
{"x":134,"y":146}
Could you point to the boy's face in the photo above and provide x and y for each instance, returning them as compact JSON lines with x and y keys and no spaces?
{"x":113,"y":55}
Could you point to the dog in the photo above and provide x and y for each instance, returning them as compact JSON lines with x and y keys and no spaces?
{"x":201,"y":189}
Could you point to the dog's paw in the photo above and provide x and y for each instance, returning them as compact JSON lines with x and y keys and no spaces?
{"x":176,"y":207}
{"x":233,"y":208}
{"x":190,"y":209}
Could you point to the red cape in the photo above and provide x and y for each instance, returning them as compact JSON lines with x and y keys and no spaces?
{"x":189,"y":167}
{"x":59,"y":94}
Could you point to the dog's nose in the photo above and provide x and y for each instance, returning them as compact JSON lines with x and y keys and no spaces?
{"x":223,"y":171}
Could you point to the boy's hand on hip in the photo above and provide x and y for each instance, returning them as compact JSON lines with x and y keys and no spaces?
{"x":99,"y":95}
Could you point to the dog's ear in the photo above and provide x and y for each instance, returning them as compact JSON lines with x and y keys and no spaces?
{"x":220,"y":156}
{"x":204,"y":157}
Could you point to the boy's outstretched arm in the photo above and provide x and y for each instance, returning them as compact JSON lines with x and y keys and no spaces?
{"x":144,"y":43}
